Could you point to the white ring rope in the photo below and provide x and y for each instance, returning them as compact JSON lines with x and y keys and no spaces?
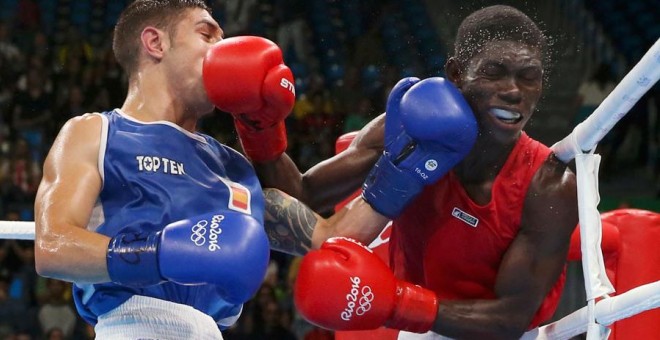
{"x":583,"y":138}
{"x":17,"y":230}
{"x":634,"y":85}
{"x":607,"y":311}
{"x":578,"y":145}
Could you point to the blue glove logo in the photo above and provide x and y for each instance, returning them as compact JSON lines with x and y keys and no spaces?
{"x":431,"y":165}
{"x":198,"y":235}
{"x":198,"y":232}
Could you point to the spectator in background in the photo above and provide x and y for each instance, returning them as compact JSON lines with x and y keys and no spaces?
{"x":111,"y":77}
{"x":262,"y":318}
{"x":5,"y":144}
{"x":57,"y":312}
{"x":9,"y":310}
{"x":74,"y":106}
{"x":32,"y":113}
{"x":40,"y":47}
{"x":8,"y":49}
{"x":368,"y":47}
{"x":628,"y":143}
{"x":7,"y":81}
{"x":237,"y":16}
{"x":272,"y":279}
{"x":55,"y":333}
{"x":315,"y":132}
{"x":76,"y":47}
{"x":20,"y":176}
{"x":69,"y":75}
{"x":35,"y":65}
{"x":358,"y":118}
{"x":291,"y":28}
{"x":271,"y":326}
{"x":17,"y":282}
{"x":305,"y":103}
{"x":593,"y":91}
{"x":29,"y":16}
{"x":348,"y":92}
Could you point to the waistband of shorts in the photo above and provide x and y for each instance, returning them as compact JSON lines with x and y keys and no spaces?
{"x":145,"y":303}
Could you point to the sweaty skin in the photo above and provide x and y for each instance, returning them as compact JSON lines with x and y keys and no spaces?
{"x":331,"y":181}
{"x":502,"y":84}
{"x":167,"y":87}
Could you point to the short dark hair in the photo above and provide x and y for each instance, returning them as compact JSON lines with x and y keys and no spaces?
{"x":139,"y":14}
{"x":496,"y":23}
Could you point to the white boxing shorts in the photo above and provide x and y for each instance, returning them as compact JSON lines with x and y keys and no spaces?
{"x":146,"y":318}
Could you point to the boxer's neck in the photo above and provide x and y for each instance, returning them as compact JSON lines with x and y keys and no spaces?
{"x":149,"y":99}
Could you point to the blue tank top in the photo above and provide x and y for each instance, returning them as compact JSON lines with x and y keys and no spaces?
{"x":154,"y":174}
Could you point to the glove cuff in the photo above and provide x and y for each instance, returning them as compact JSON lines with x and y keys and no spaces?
{"x":263,"y":145}
{"x":388,"y":189}
{"x":132,"y":260}
{"x":416,"y":310}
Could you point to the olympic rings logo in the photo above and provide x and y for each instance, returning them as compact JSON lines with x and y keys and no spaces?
{"x":198,"y":232}
{"x":363,"y":302}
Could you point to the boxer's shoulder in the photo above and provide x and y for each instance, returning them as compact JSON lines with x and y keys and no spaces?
{"x":552,"y":194}
{"x":87,"y":120}
{"x":81,"y":133}
{"x":553,"y":174}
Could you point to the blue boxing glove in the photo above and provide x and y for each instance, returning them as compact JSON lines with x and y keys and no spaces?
{"x":226,"y":249}
{"x":429,"y":128}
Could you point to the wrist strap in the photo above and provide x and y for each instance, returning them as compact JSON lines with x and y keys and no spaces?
{"x":132,"y":260}
{"x":388,"y":189}
{"x":416,"y":310}
{"x":262,"y":145}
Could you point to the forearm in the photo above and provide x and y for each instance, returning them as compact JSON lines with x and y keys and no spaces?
{"x":357,"y":220}
{"x":333,"y":180}
{"x":293,"y":228}
{"x":480,"y":319}
{"x":321,"y":187}
{"x":281,"y":173}
{"x":72,"y":254}
{"x":289,"y":224}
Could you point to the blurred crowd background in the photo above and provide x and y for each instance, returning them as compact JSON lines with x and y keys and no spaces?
{"x":56,"y":62}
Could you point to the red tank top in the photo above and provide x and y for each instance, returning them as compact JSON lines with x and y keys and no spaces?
{"x":446,"y":242}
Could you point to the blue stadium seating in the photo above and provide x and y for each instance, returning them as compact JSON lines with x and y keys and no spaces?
{"x":632,"y":25}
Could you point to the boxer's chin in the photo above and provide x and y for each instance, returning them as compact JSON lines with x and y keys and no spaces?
{"x":203,"y":108}
{"x":208,"y":109}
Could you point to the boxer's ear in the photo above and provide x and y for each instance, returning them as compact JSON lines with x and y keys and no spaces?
{"x":154,"y":42}
{"x":454,"y":71}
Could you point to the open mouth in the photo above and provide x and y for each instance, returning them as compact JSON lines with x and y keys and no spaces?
{"x":506,"y":116}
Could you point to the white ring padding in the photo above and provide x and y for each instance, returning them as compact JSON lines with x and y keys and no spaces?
{"x":17,"y":230}
{"x":608,"y":311}
{"x":634,"y":85}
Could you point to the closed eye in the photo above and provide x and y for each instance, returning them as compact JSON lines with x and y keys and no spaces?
{"x":210,"y":31}
{"x":531,"y":74}
{"x":493,"y":70}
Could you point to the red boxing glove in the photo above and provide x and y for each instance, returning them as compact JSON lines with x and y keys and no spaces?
{"x":246,"y":77}
{"x":344,"y":286}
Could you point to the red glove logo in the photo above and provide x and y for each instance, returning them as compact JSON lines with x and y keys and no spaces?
{"x":285,"y":83}
{"x":364,"y":301}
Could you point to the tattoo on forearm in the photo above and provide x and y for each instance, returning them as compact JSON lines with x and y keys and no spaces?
{"x":289,"y":223}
